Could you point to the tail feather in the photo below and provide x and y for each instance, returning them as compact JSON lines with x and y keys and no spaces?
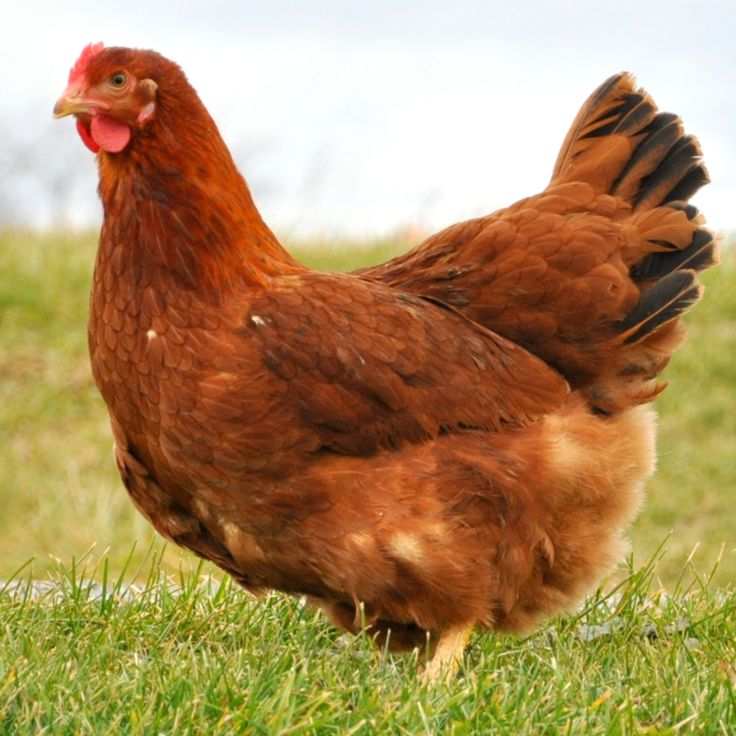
{"x":699,"y":255}
{"x":651,"y":152}
{"x":648,"y":159}
{"x":621,"y":145}
{"x":678,"y":176}
{"x":696,"y":178}
{"x":643,"y":120}
{"x":667,"y":299}
{"x":690,"y":210}
{"x":598,"y":118}
{"x":631,"y":115}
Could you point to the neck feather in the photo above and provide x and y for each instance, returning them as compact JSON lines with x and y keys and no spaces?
{"x":175,"y":199}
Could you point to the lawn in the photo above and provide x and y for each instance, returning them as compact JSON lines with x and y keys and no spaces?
{"x":655,"y":657}
{"x":198,"y":656}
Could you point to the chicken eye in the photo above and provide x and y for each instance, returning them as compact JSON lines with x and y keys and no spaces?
{"x":118,"y":80}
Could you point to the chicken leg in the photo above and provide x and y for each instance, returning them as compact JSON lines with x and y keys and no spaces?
{"x":447,"y":656}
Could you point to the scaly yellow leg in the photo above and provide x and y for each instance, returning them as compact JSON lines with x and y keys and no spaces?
{"x":448,"y":654}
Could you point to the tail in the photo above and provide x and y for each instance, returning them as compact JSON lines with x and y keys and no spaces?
{"x":624,"y":147}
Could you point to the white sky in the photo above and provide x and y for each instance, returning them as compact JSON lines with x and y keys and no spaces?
{"x":358,"y":118}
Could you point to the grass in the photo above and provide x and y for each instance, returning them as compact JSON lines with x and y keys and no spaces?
{"x":204,"y":657}
{"x":655,"y":656}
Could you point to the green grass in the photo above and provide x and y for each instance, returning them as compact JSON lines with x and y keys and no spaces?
{"x":220,"y":662}
{"x":209,"y":659}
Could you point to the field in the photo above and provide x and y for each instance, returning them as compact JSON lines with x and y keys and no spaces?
{"x":164,"y":663}
{"x":215,"y":661}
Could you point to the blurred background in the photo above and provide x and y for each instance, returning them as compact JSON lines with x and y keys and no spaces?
{"x":360,"y":127}
{"x":356,"y":118}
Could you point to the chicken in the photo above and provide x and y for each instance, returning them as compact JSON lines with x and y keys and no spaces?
{"x":385,"y":443}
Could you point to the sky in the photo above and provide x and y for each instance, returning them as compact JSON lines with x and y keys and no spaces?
{"x":358,"y":119}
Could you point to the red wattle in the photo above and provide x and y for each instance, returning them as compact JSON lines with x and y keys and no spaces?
{"x":109,"y":134}
{"x":86,"y":136}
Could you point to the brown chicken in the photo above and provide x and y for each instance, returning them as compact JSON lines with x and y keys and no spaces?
{"x":366,"y":439}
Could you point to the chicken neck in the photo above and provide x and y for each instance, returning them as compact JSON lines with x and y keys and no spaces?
{"x":177,"y":203}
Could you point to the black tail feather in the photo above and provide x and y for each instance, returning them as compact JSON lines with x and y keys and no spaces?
{"x":699,"y":255}
{"x":668,"y":181}
{"x":664,"y":165}
{"x":690,"y":183}
{"x":665,"y":300}
{"x":638,"y":118}
{"x":664,"y":132}
{"x":690,"y":210}
{"x":632,"y":113}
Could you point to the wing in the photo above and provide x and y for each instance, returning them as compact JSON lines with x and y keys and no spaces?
{"x":547,"y":273}
{"x":366,"y":367}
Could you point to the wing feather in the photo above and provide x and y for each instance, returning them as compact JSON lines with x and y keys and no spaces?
{"x":368,"y":367}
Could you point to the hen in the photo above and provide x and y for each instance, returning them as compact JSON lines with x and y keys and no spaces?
{"x":366,"y":439}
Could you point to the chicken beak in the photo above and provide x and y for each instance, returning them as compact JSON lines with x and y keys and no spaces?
{"x":74,"y":102}
{"x":66,"y":106}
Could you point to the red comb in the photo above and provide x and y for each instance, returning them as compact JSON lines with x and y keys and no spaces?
{"x":80,"y":66}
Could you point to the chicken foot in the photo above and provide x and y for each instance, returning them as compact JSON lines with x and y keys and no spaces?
{"x":448,"y":655}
